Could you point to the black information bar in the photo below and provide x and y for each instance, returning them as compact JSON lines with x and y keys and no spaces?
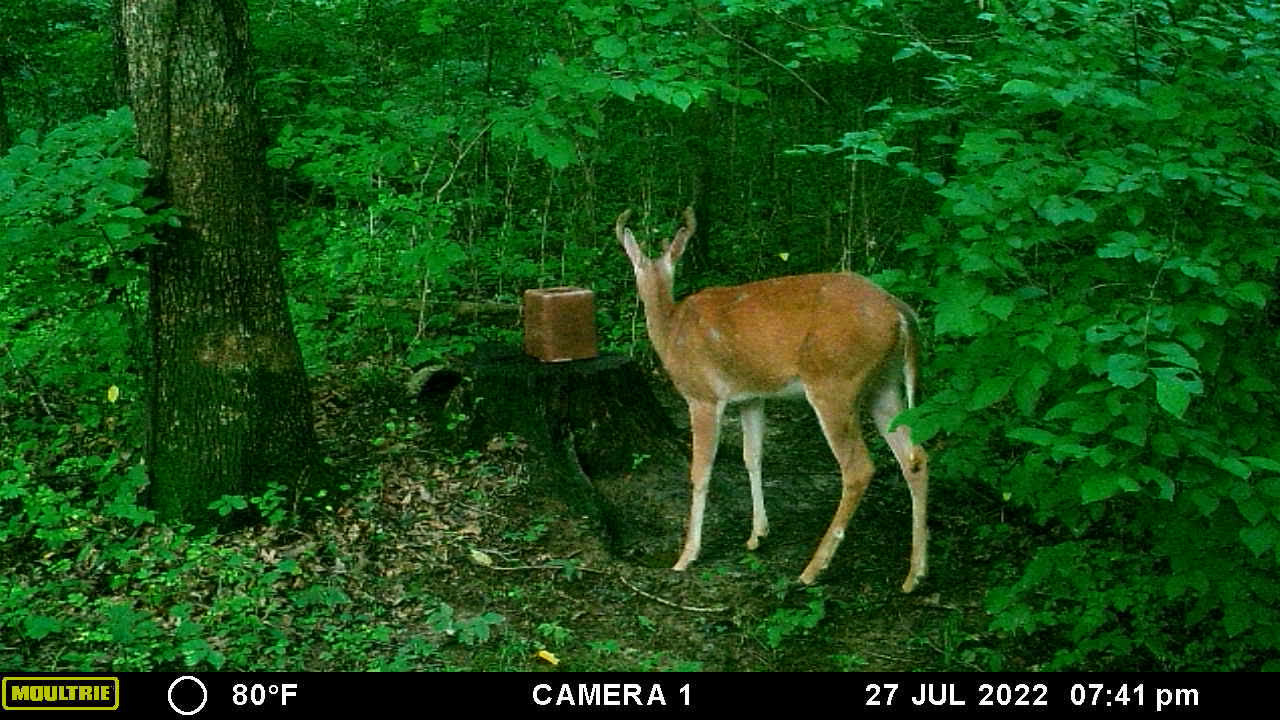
{"x":307,"y":695}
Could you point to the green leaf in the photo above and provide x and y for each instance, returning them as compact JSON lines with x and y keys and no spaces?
{"x":1261,"y":537}
{"x":908,"y":51}
{"x":956,"y":311}
{"x":1215,"y":314}
{"x":1070,"y":409}
{"x":37,"y":627}
{"x":1091,"y":424}
{"x":1165,"y":101}
{"x":1027,"y":392}
{"x":1102,"y":333}
{"x":557,"y":150}
{"x":1117,"y":98}
{"x":1206,"y":503}
{"x":1126,"y":378}
{"x":1175,"y":171}
{"x":1236,"y":467}
{"x":1200,"y":272}
{"x":1157,"y":478}
{"x":623,"y":88}
{"x":1122,"y":370}
{"x":1098,"y":487}
{"x":1166,"y":444}
{"x":1237,"y":617}
{"x":1252,"y":509}
{"x":116,"y":230}
{"x":1032,"y":435}
{"x":1173,"y":395}
{"x":1100,"y":178}
{"x":1175,"y":353}
{"x":1059,"y":210}
{"x":1265,"y":463}
{"x":1123,"y":244}
{"x":1252,"y":292}
{"x":957,"y":318}
{"x":1132,"y":434}
{"x":986,"y":147}
{"x":121,"y":193}
{"x":991,"y":391}
{"x":1102,"y":457}
{"x":1022,"y":88}
{"x":610,"y":46}
{"x":1065,"y":350}
{"x":999,"y":305}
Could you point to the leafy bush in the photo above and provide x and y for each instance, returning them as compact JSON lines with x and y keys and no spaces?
{"x":76,"y":222}
{"x":1103,"y":272}
{"x":365,"y":264}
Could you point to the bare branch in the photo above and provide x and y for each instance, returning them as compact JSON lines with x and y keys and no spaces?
{"x":762,"y":54}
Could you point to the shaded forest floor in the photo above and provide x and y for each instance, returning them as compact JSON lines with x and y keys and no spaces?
{"x":458,"y":546}
{"x":450,"y":558}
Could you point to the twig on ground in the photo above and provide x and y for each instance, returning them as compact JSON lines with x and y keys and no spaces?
{"x":664,"y":601}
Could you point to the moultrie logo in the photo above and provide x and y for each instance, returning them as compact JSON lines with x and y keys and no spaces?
{"x":60,"y":692}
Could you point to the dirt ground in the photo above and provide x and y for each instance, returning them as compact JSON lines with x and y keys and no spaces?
{"x":467,"y":528}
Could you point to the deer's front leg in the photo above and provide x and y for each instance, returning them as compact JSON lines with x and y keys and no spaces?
{"x":752,"y":444}
{"x":704,"y":418}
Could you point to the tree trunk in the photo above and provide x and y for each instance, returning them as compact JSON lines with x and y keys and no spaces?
{"x":229,"y":406}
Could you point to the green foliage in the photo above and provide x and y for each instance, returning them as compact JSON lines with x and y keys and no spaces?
{"x":788,"y":622}
{"x":469,"y":631}
{"x":532,"y":534}
{"x":1101,"y":599}
{"x":556,"y":634}
{"x":48,"y":518}
{"x":121,"y":602}
{"x":381,"y":251}
{"x":1104,"y":264}
{"x":849,"y":662}
{"x":49,"y":66}
{"x":228,"y":504}
{"x":270,"y":505}
{"x":75,"y":223}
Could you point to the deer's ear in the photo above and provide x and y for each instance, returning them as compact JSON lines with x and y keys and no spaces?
{"x":628,"y":241}
{"x":681,"y":239}
{"x":634,"y":253}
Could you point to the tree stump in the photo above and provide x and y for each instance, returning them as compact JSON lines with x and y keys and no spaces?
{"x":588,"y":424}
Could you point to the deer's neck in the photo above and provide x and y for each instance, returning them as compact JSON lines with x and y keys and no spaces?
{"x":659,"y":315}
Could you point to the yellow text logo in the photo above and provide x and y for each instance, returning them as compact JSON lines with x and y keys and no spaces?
{"x":60,"y":693}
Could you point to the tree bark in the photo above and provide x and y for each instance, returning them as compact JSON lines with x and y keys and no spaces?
{"x":228,"y":400}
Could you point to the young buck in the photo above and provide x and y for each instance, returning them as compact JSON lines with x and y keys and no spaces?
{"x":836,"y":338}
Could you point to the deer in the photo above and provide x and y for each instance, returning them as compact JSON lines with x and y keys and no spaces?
{"x":837,"y":339}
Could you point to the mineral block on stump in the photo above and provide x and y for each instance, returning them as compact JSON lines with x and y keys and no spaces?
{"x":560,"y":324}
